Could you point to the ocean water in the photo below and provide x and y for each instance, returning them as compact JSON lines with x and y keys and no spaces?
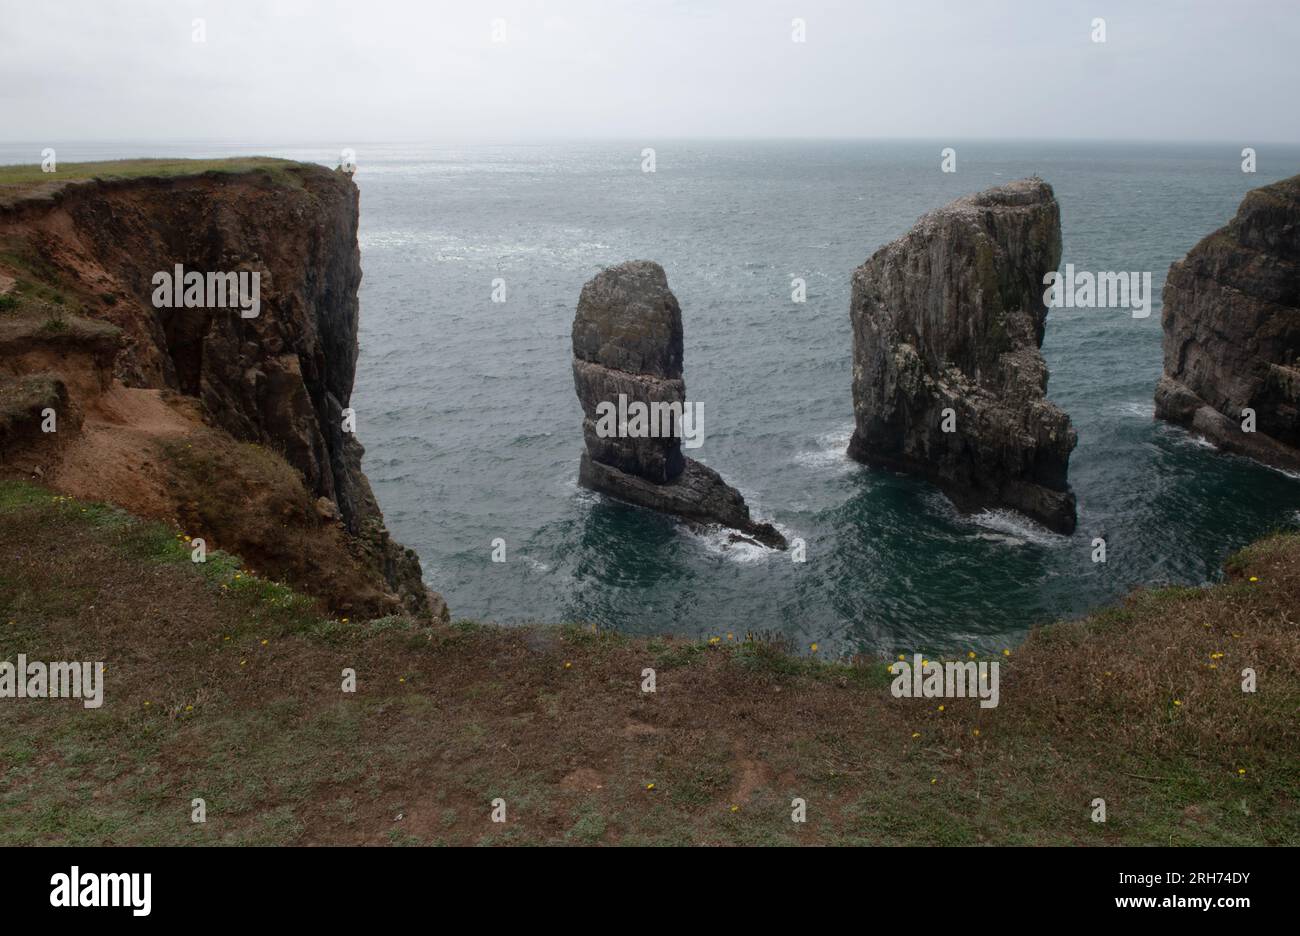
{"x":473,"y":431}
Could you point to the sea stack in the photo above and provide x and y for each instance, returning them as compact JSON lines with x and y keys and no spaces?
{"x":1232,"y":331}
{"x":948,"y":381}
{"x":627,"y":350}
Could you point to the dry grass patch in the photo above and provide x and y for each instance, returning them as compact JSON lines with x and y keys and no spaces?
{"x":226,"y":686}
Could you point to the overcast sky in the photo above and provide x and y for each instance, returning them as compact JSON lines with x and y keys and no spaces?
{"x":391,"y":70}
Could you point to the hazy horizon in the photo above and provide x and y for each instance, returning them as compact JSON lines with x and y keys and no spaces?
{"x":335,"y":73}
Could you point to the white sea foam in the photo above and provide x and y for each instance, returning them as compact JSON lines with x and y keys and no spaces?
{"x":717,"y":541}
{"x":1185,"y":437}
{"x":997,"y":524}
{"x":585,"y":496}
{"x":1003,"y":538}
{"x":713,"y":539}
{"x":830,"y":452}
{"x":1198,"y":441}
{"x":536,"y":565}
{"x":1016,"y":527}
{"x":1136,"y":409}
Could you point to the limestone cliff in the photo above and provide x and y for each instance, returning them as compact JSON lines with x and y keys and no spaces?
{"x":948,"y":381}
{"x":627,"y":342}
{"x":1232,"y":331}
{"x":210,"y":380}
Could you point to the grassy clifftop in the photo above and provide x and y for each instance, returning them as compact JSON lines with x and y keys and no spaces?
{"x":225,"y":686}
{"x":20,"y":176}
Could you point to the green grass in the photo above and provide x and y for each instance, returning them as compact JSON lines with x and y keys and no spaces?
{"x":16,"y":494}
{"x":27,"y":175}
{"x":224,"y":685}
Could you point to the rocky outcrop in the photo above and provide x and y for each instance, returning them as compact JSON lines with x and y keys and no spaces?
{"x":1232,"y":331}
{"x":282,"y":378}
{"x":948,"y":381}
{"x":627,"y":343}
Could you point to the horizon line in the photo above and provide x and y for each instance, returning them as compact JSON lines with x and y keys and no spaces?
{"x":643,"y":139}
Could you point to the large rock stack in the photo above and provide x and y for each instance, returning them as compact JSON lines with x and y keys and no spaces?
{"x":627,"y":341}
{"x":948,"y":381}
{"x":1232,"y":331}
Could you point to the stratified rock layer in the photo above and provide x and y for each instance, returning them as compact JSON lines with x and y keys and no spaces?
{"x":627,"y":340}
{"x":1232,"y":331}
{"x":950,"y":317}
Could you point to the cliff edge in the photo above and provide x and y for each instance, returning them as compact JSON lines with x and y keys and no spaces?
{"x":200,"y":331}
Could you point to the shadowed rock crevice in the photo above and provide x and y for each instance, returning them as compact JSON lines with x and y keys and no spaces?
{"x":627,"y":342}
{"x":1232,"y":331}
{"x":948,"y":381}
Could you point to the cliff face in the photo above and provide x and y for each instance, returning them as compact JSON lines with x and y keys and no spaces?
{"x":281,"y":379}
{"x":951,"y":317}
{"x":627,"y":343}
{"x":1232,"y":330}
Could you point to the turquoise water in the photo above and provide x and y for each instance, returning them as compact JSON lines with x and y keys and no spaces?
{"x":468,"y":413}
